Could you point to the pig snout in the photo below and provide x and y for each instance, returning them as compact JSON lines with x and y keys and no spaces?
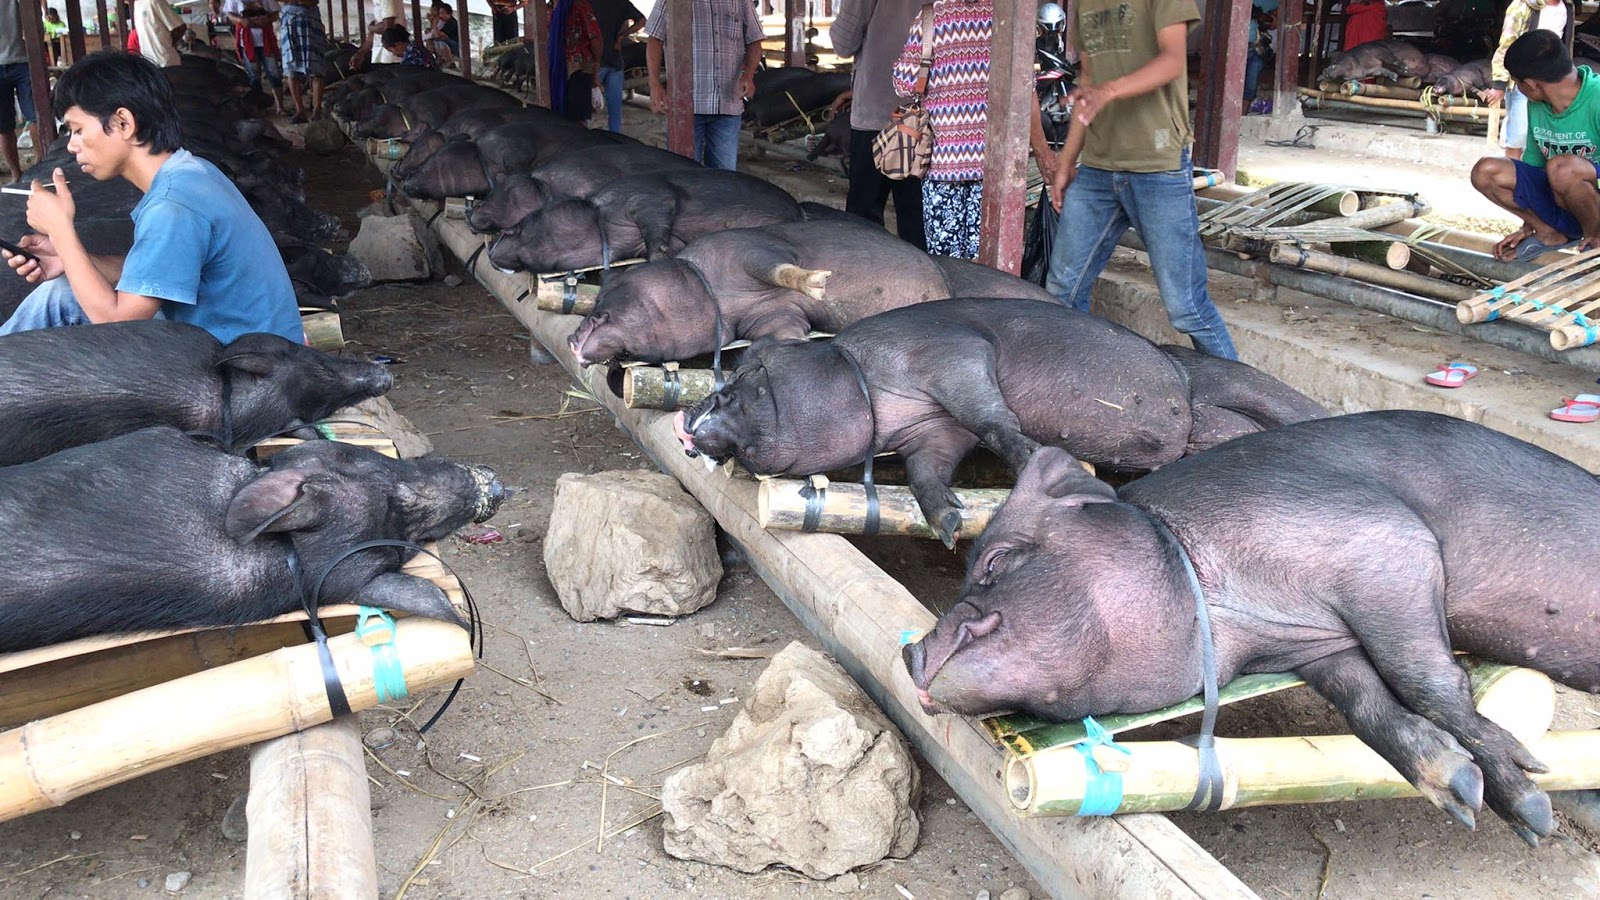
{"x":916,"y":659}
{"x":684,"y":437}
{"x":581,"y":336}
{"x":491,"y":493}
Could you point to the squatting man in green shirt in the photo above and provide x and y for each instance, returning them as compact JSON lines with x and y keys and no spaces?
{"x":1552,"y":188}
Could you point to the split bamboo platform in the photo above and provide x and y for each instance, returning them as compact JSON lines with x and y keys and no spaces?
{"x":859,"y":614}
{"x":1559,"y":298}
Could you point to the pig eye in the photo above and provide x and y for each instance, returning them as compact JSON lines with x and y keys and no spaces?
{"x":990,"y":563}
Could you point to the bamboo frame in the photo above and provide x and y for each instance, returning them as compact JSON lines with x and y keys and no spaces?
{"x":1392,"y":254}
{"x":572,"y":293}
{"x":1558,"y":298}
{"x":859,"y":613}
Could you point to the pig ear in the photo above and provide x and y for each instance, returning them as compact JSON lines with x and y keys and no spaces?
{"x":1057,"y":474}
{"x":275,"y":501}
{"x":249,"y":362}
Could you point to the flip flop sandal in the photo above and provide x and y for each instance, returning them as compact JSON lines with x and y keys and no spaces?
{"x":1532,"y":248}
{"x":1452,"y":374}
{"x":1582,"y":408}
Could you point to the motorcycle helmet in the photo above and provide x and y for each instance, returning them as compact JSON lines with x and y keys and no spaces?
{"x":1052,"y":16}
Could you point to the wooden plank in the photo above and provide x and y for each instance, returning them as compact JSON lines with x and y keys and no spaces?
{"x":859,"y":613}
{"x":310,"y":815}
{"x":38,"y":73}
{"x":536,"y":32}
{"x":1005,"y":161}
{"x":1289,"y":42}
{"x":794,"y":33}
{"x":679,"y":68}
{"x":1221,"y":96}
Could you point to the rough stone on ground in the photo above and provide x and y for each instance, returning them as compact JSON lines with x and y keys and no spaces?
{"x":379,"y":413}
{"x":397,"y":248}
{"x":629,"y":542}
{"x":324,"y":136}
{"x":811,"y":775}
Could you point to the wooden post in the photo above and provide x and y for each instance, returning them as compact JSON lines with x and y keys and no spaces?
{"x":103,"y":22}
{"x":536,"y":31}
{"x":38,"y":73}
{"x":464,"y":41}
{"x":679,"y":68}
{"x":794,"y":33}
{"x":858,"y":613}
{"x":416,"y":19}
{"x":75,"y":31}
{"x":1005,"y":159}
{"x":1221,"y":96}
{"x":310,"y":817}
{"x":1290,"y":43}
{"x":361,"y":18}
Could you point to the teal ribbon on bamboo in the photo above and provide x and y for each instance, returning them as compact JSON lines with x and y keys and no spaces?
{"x":1591,"y":329}
{"x":326,"y":430}
{"x":376,"y":629}
{"x":1102,"y":790}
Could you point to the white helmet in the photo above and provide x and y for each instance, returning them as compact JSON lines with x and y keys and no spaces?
{"x":1052,"y":16}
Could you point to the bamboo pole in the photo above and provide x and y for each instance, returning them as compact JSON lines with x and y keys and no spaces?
{"x":49,"y":762}
{"x":1161,"y":776}
{"x":323,"y":330}
{"x":1345,"y":203}
{"x":858,"y":613}
{"x":1385,"y":91}
{"x":310,"y":817}
{"x":1335,"y":100}
{"x":565,"y":295}
{"x":1393,"y":254}
{"x":781,"y":504}
{"x":388,"y":149}
{"x":665,"y":387}
{"x":1284,"y":254}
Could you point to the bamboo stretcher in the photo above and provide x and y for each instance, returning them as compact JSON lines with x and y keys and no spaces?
{"x":572,"y":293}
{"x":681,"y":384}
{"x":357,"y":433}
{"x":1274,"y":204}
{"x":804,"y":122}
{"x":1559,"y":298}
{"x":389,"y":149}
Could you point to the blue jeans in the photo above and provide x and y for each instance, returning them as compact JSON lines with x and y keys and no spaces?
{"x":1516,"y":119}
{"x":611,"y":82}
{"x":50,"y":305}
{"x":268,"y":64}
{"x":716,"y":141}
{"x":1253,"y":63}
{"x":1099,"y":207}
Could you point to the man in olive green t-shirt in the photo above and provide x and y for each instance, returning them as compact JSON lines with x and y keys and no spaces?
{"x":1132,"y":137}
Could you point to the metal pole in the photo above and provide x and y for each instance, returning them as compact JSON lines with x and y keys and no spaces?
{"x":1221,"y":98}
{"x":38,"y":73}
{"x":679,"y":64}
{"x":1005,"y":158}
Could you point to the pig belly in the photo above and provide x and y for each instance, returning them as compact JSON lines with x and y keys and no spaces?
{"x":1113,"y":420}
{"x":1529,"y":606}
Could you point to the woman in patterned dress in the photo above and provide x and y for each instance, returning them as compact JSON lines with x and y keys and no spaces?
{"x":957,"y":103}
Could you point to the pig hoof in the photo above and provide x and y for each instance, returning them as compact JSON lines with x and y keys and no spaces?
{"x":1466,"y":786}
{"x":949,"y":524}
{"x":1531,"y":818}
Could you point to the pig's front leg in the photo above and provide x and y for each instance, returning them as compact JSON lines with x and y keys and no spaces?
{"x":931,"y":460}
{"x":966,"y":384}
{"x":1428,"y":758}
{"x":408,"y":594}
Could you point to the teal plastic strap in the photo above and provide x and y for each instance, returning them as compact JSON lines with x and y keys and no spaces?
{"x":1102,"y":791}
{"x":376,"y":629}
{"x":326,"y":430}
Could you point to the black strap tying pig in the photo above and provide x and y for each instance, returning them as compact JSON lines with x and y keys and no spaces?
{"x":870,"y":528}
{"x":1208,"y":794}
{"x":224,"y":440}
{"x":311,"y":601}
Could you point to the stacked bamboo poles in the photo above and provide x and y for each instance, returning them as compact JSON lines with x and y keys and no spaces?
{"x":781,"y":503}
{"x":859,"y":613}
{"x":1422,"y":285}
{"x":51,"y":761}
{"x":1161,"y":776}
{"x":1558,"y":298}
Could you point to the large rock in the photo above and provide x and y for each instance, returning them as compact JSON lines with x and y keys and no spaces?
{"x":630,"y":541}
{"x":379,"y":413}
{"x":397,"y":248}
{"x":324,"y":136}
{"x":811,"y":775}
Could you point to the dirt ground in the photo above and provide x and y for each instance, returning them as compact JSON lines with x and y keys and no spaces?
{"x":499,"y":801}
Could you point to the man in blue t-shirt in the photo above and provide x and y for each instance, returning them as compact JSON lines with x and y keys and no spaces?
{"x":200,"y":254}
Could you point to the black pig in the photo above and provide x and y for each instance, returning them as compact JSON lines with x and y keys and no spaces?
{"x":947,"y":375}
{"x":71,"y":386}
{"x":154,"y":530}
{"x":1339,"y":549}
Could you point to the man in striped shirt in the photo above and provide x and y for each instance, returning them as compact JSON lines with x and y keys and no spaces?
{"x":727,"y":47}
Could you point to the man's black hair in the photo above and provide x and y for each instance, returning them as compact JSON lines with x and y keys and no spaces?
{"x":103,"y":82}
{"x":1540,"y":56}
{"x":396,"y":34}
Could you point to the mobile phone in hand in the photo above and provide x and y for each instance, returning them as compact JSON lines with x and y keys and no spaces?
{"x":16,"y":251}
